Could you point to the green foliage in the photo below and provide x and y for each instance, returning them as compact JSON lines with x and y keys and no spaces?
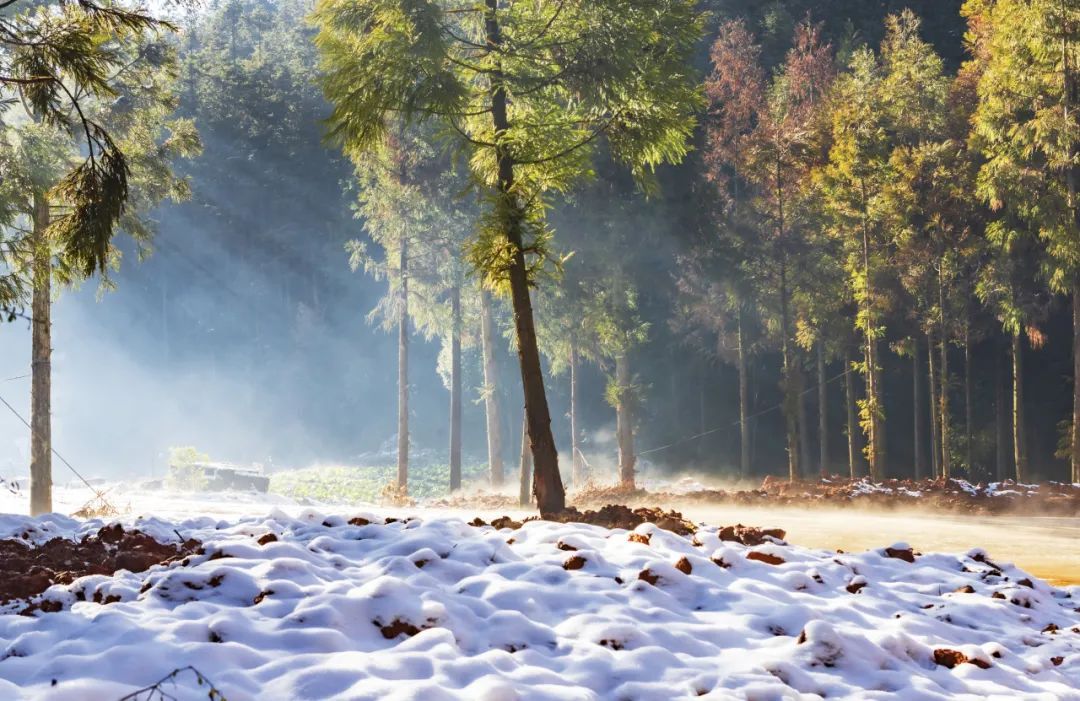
{"x":116,"y":187}
{"x":1026,"y":127}
{"x":351,"y":484}
{"x":184,"y":473}
{"x":575,"y":74}
{"x":58,"y":61}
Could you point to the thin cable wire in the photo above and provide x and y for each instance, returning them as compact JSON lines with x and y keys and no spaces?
{"x":726,"y":427}
{"x":58,"y":455}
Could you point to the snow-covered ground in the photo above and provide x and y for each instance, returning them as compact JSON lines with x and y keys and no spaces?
{"x":434,"y":609}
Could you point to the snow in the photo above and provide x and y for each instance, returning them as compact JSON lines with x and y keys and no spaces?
{"x":497,"y":616}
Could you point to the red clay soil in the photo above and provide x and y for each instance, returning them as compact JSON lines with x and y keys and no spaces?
{"x":619,"y":516}
{"x":952,"y":496}
{"x":26,"y":570}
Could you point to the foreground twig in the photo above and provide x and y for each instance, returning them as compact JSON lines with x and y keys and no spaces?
{"x":155,"y":690}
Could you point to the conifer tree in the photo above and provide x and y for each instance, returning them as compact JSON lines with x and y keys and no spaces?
{"x":529,"y":89}
{"x":394,"y":198}
{"x":136,"y":126}
{"x":718,"y":276}
{"x":851,"y":184}
{"x":1027,"y":128}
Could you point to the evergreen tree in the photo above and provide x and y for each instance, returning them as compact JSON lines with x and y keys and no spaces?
{"x":530,"y":111}
{"x":139,"y":124}
{"x":851,"y":184}
{"x":1026,"y":126}
{"x":393,"y":199}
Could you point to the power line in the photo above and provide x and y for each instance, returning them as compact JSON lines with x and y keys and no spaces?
{"x":54,"y":452}
{"x":736,"y":423}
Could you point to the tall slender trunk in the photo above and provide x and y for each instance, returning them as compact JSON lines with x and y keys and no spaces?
{"x":935,"y":444}
{"x":969,"y":409}
{"x":1072,"y":179}
{"x":852,"y":422}
{"x":944,"y":420}
{"x":790,"y":398}
{"x":1019,"y":429}
{"x":1001,"y":410}
{"x":166,"y":345}
{"x":919,"y":430}
{"x":823,"y":411}
{"x":41,"y":365}
{"x":525,"y":476}
{"x":805,"y":462}
{"x":491,"y":390}
{"x":1074,"y":440}
{"x":403,"y":371}
{"x":455,"y":388}
{"x":873,"y":391}
{"x":548,"y":487}
{"x":744,"y":401}
{"x":625,"y":421}
{"x":575,"y":446}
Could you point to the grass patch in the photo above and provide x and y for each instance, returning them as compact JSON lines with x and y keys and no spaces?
{"x":350,"y":483}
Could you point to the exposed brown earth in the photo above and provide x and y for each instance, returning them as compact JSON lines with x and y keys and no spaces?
{"x":949,"y":496}
{"x":26,"y":570}
{"x":946,"y":496}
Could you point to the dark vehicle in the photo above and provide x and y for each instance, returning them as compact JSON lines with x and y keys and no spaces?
{"x":231,"y":477}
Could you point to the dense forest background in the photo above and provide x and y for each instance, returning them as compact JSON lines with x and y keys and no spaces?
{"x":245,"y":331}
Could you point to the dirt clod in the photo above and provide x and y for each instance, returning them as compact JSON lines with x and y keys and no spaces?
{"x":574,"y":562}
{"x":767,"y":558}
{"x":619,"y":516}
{"x":647,"y":575}
{"x":905,"y":554}
{"x":750,"y":535}
{"x":952,"y":658}
{"x":26,"y":571}
{"x":396,"y":628}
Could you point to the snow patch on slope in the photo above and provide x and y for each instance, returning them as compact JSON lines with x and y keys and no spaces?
{"x":435,"y":609}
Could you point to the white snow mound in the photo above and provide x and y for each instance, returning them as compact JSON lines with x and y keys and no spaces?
{"x":435,"y":609}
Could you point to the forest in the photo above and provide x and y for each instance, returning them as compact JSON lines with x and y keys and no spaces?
{"x":795,"y":261}
{"x":753,"y":260}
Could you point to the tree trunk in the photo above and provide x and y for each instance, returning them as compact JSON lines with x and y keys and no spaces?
{"x":823,"y":412}
{"x":969,"y":409}
{"x":1001,"y":410}
{"x":935,"y":444}
{"x":403,"y":372}
{"x":873,"y":391}
{"x":548,"y":487}
{"x":41,"y":365}
{"x":525,"y":466}
{"x":852,"y":422}
{"x":625,"y":422}
{"x":944,"y":419}
{"x":1074,"y":441}
{"x":1019,"y":430}
{"x":575,"y":448}
{"x":1072,"y":182}
{"x":919,"y":429}
{"x":744,"y":402}
{"x":790,"y":398}
{"x":455,"y":388}
{"x":491,"y":390}
{"x":805,"y":462}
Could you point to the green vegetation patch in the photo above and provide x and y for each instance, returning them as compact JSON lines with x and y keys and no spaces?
{"x":350,"y":483}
